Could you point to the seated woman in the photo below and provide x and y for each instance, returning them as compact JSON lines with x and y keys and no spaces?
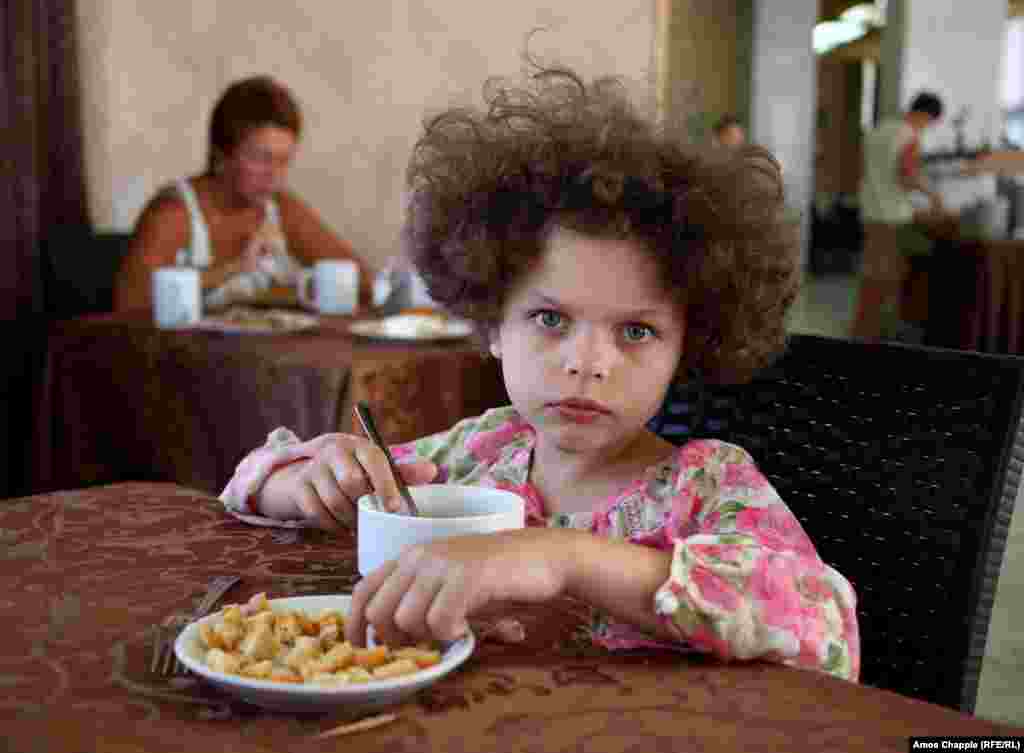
{"x":236,"y":222}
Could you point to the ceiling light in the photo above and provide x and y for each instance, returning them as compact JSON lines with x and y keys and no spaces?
{"x":866,"y":14}
{"x":831,"y":34}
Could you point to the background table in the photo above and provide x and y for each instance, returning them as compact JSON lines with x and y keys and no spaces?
{"x":87,"y":574}
{"x":123,"y":400}
{"x":976,"y":295}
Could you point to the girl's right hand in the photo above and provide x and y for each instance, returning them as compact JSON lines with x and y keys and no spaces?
{"x":324,"y":488}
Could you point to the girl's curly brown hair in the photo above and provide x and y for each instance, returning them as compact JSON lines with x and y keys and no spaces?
{"x":488,"y":186}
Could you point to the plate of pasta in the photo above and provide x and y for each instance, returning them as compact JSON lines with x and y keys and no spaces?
{"x":257,"y":321}
{"x":289,"y":654}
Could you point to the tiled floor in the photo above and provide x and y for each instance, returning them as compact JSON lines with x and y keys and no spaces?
{"x":825,"y":307}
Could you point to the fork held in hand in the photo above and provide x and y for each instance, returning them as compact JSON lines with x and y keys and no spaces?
{"x":165,"y":661}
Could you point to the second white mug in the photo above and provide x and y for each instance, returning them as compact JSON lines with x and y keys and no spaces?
{"x":335,"y":286}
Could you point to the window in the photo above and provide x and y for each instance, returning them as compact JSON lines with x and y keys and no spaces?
{"x":1013,"y":81}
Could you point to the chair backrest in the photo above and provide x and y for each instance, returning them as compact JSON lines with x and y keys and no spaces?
{"x":78,"y":268}
{"x":902,"y":463}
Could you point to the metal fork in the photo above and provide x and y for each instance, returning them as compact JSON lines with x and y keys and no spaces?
{"x":165,"y":661}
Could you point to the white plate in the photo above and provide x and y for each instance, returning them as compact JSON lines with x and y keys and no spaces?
{"x":412,"y":327}
{"x":257,"y":321}
{"x":279,"y":696}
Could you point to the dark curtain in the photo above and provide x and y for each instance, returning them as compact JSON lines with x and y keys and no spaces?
{"x":42,"y":186}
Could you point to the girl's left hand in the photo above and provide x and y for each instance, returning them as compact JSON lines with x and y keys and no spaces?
{"x":431,"y":590}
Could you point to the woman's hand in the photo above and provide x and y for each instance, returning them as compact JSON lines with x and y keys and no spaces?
{"x":432,"y":589}
{"x":258,"y":252}
{"x":266,"y":251}
{"x":324,"y":489}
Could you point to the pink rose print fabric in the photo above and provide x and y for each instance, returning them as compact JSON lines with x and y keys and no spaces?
{"x":745,"y":580}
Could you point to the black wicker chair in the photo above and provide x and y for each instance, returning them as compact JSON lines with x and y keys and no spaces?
{"x":78,"y":269}
{"x":902,"y":463}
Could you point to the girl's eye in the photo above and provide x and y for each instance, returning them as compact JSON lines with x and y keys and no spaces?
{"x":638,"y":332}
{"x":549,"y":319}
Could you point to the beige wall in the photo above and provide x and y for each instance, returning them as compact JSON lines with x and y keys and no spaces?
{"x":365,"y":73}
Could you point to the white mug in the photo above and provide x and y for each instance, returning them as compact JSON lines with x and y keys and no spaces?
{"x":445,"y":510}
{"x":177,"y":297}
{"x":335,"y":285}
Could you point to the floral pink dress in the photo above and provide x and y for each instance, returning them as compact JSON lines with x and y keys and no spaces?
{"x":745,"y":580}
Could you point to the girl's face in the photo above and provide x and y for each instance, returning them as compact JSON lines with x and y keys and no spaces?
{"x":589,"y":342}
{"x":258,"y":167}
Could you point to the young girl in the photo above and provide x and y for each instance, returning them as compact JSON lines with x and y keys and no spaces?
{"x":600,"y":261}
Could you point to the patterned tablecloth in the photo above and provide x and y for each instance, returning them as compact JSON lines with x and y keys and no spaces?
{"x":87,"y":573}
{"x":122,"y":400}
{"x":975,"y":298}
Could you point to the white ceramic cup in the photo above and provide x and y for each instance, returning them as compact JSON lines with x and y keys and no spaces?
{"x":445,"y":510}
{"x":335,"y":284}
{"x":177,"y":297}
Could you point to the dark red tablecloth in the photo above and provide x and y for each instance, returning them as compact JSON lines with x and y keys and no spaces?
{"x":122,"y":400}
{"x":88,"y":573}
{"x":976,"y":296}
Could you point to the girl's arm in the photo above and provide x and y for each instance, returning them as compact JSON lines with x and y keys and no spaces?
{"x":618,"y":577}
{"x":730,"y":573}
{"x":263,"y":490}
{"x":744,"y":581}
{"x":310,"y":240}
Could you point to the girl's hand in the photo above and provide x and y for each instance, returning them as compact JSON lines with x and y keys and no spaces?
{"x":324,"y":489}
{"x":431,"y":590}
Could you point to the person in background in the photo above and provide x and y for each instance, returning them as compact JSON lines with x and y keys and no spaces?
{"x":237,"y":222}
{"x":729,"y":132}
{"x":601,"y":260}
{"x":893,"y":227}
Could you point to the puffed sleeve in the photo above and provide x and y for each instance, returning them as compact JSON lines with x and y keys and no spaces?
{"x":468,"y":449}
{"x":281,"y":448}
{"x":745,"y":580}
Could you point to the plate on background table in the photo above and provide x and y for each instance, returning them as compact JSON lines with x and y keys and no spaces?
{"x":307,"y":697}
{"x":413,"y":327}
{"x":257,"y":321}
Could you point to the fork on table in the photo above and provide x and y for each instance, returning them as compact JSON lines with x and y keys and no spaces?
{"x":165,"y":661}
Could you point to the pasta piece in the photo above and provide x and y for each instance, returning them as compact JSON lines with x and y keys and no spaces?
{"x":221,"y":661}
{"x":357,"y":675}
{"x":259,"y":670}
{"x":260,"y":644}
{"x":329,"y":634}
{"x":308,"y":626}
{"x":209,"y":636}
{"x":305,"y":649}
{"x":421,"y":656}
{"x":368,"y":658}
{"x":232,"y":615}
{"x":396,"y":668}
{"x":282,"y":674}
{"x":261,"y":619}
{"x":340,"y":656}
{"x":287,"y":628}
{"x":229,"y":635}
